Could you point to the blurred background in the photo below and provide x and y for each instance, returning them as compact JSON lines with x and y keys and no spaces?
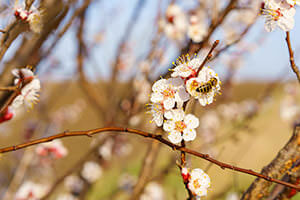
{"x":97,"y":61}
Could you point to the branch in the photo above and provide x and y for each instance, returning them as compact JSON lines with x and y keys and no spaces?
{"x":91,"y":92}
{"x":146,"y":170}
{"x":277,"y":168}
{"x":291,"y":53}
{"x":90,"y":133}
{"x":209,"y":55}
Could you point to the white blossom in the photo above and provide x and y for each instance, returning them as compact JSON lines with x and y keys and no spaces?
{"x":127,"y":182}
{"x":74,"y":184}
{"x":19,"y":10}
{"x":24,"y":73}
{"x":205,"y":77}
{"x":35,"y":20}
{"x":278,"y":13}
{"x":153,"y":191}
{"x":29,"y":93}
{"x":186,"y":67}
{"x":293,"y":2}
{"x":168,"y":92}
{"x":289,"y":110}
{"x":32,"y":16}
{"x":55,"y":149}
{"x":199,"y":182}
{"x":180,"y":126}
{"x":30,"y":191}
{"x":91,"y":171}
{"x":157,"y":110}
{"x":105,"y":150}
{"x":197,"y":28}
{"x":174,"y":25}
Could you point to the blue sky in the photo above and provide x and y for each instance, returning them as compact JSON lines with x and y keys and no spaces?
{"x":268,"y":60}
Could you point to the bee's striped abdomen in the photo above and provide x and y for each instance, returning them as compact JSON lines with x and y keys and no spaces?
{"x":207,"y":87}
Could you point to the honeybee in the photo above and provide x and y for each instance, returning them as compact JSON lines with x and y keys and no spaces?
{"x":207,"y":87}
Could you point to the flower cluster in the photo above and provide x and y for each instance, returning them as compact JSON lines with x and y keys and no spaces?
{"x":33,"y":16}
{"x":153,"y":191}
{"x":279,"y":13}
{"x":197,"y":28}
{"x":169,"y":97}
{"x":91,"y":172}
{"x":30,"y":191}
{"x":29,"y":88}
{"x":175,"y":23}
{"x":29,"y":93}
{"x":197,"y":181}
{"x":74,"y":184}
{"x":54,"y":149}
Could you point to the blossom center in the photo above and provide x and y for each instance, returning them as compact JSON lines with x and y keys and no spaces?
{"x":168,"y":93}
{"x":180,"y":126}
{"x":275,"y":14}
{"x":194,"y":85}
{"x":196,"y":183}
{"x":170,"y":19}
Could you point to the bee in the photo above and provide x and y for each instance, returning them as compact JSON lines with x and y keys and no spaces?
{"x":207,"y":87}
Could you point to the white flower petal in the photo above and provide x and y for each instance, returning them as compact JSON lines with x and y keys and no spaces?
{"x":156,"y":97}
{"x":178,"y":114}
{"x":175,"y":137}
{"x":191,"y":121}
{"x":17,"y":102}
{"x":169,"y":103}
{"x":158,"y":119}
{"x":189,"y":134}
{"x":159,"y":85}
{"x":182,"y":95}
{"x":169,"y":126}
{"x":286,"y":24}
{"x":176,"y":82}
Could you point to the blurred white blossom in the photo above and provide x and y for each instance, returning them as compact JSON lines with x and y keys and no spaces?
{"x":105,"y":150}
{"x":91,"y":171}
{"x":175,"y":23}
{"x":232,"y":196}
{"x":29,"y":93}
{"x":54,"y":149}
{"x":153,"y":191}
{"x":74,"y":184}
{"x":126,"y":182}
{"x":32,"y":16}
{"x":197,"y":29}
{"x":30,"y":191}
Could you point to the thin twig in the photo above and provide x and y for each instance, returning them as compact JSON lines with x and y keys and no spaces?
{"x":209,"y":55}
{"x":291,"y":53}
{"x":9,"y":88}
{"x":152,"y":136}
{"x":182,"y":164}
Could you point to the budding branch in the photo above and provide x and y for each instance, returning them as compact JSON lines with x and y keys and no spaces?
{"x":291,"y":53}
{"x":159,"y":138}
